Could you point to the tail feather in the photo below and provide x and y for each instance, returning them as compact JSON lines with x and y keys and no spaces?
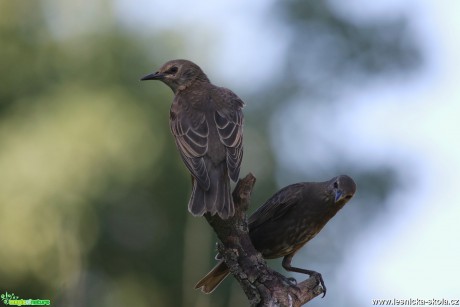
{"x":213,"y":279}
{"x":217,"y":199}
{"x":197,"y":204}
{"x":224,"y":203}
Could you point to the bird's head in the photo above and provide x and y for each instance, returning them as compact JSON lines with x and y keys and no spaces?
{"x":343,"y":188}
{"x":178,"y":74}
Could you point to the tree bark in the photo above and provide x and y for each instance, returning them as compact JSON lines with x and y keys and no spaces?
{"x":262,"y":285}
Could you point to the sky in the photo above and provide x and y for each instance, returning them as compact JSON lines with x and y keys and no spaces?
{"x":417,"y":254}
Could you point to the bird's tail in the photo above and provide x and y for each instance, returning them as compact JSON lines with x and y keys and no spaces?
{"x":210,"y":282}
{"x":217,"y":199}
{"x":197,"y":203}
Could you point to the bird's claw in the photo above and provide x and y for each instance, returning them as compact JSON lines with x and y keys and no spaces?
{"x":320,"y":281}
{"x":292,"y":280}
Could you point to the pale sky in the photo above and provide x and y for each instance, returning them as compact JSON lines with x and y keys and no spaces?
{"x":417,"y":255}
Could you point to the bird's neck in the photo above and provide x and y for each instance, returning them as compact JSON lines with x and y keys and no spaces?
{"x":192,"y":82}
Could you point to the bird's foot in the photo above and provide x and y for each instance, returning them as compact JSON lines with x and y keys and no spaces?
{"x":292,"y":281}
{"x":288,"y":281}
{"x":319,"y":281}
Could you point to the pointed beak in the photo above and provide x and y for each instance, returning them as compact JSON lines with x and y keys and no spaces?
{"x":154,"y":76}
{"x":338,"y":195}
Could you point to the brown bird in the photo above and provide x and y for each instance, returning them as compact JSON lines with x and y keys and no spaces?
{"x":288,"y":220}
{"x":207,"y":124}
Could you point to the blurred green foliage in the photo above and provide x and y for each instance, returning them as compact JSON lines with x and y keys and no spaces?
{"x":92,"y":192}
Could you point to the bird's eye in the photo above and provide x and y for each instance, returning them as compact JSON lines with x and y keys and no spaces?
{"x":172,"y":70}
{"x":336,"y":185}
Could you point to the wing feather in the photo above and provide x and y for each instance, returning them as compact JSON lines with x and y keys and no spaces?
{"x":276,"y":206}
{"x":229,"y":121}
{"x":191,"y":131}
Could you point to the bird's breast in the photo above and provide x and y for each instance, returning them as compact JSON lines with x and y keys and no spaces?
{"x":281,"y":239}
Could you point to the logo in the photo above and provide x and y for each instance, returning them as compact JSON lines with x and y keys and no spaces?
{"x":13,"y":300}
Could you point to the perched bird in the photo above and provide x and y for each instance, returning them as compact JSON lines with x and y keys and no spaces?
{"x":207,"y":124}
{"x":288,"y":220}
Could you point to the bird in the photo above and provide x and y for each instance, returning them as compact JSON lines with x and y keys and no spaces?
{"x":287,"y":221}
{"x":207,"y":124}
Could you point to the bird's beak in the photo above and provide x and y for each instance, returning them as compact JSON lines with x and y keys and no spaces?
{"x":339,"y":195}
{"x":154,"y":76}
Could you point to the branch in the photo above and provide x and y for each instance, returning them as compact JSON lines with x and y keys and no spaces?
{"x":262,"y":285}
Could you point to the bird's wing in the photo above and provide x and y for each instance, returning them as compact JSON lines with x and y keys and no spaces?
{"x":229,"y":122}
{"x":190,"y":131}
{"x":276,"y":206}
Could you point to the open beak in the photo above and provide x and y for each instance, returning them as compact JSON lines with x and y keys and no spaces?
{"x":154,"y":76}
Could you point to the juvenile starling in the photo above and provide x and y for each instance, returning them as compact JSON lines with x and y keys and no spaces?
{"x":207,"y":124}
{"x":288,"y":220}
